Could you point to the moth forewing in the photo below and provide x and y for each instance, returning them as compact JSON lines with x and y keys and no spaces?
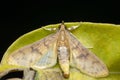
{"x":30,"y":55}
{"x":84,"y":60}
{"x":49,"y":59}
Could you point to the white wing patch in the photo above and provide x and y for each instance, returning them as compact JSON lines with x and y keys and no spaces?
{"x":84,"y":60}
{"x":41,"y":54}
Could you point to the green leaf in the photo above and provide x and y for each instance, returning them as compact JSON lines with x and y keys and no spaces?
{"x":102,"y":39}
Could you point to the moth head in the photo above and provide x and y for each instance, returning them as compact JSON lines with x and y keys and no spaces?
{"x":62,"y":26}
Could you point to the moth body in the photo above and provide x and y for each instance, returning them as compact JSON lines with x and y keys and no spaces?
{"x":63,"y":51}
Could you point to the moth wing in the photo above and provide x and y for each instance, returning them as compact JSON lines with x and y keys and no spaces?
{"x":40,"y":54}
{"x":84,"y":60}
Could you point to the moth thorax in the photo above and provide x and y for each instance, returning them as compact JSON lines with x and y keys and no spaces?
{"x":62,"y":36}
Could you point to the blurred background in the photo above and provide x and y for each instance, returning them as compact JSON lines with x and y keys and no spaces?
{"x":18,"y":18}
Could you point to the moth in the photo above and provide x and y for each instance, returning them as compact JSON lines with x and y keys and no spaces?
{"x":62,"y":47}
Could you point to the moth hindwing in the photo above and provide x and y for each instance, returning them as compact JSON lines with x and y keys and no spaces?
{"x":65,"y":48}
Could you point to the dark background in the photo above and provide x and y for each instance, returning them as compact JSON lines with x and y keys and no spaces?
{"x":18,"y":18}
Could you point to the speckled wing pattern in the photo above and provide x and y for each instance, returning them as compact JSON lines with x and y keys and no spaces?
{"x":40,"y":54}
{"x":84,"y":60}
{"x":43,"y":54}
